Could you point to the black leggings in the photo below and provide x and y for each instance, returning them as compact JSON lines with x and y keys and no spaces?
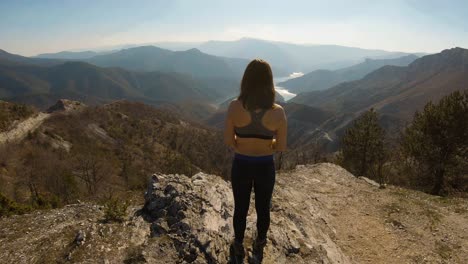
{"x":261,"y":174}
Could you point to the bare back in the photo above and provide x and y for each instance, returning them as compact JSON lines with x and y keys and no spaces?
{"x":273,"y":119}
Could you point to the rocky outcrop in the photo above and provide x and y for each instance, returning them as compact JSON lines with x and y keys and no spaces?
{"x":196,"y":215}
{"x":66,"y":105}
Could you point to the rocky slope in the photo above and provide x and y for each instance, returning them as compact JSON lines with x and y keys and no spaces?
{"x":22,"y":128}
{"x":320,"y":214}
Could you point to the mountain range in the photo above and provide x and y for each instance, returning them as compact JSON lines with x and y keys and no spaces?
{"x":193,"y":83}
{"x":284,"y":57}
{"x":396,"y":92}
{"x":323,"y":79}
{"x":41,"y":86}
{"x":295,"y":57}
{"x":149,"y":74}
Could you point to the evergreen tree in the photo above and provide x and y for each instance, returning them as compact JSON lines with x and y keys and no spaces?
{"x":437,"y":140}
{"x":363,"y":151}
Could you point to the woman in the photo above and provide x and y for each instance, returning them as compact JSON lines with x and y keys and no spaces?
{"x":255,"y":129}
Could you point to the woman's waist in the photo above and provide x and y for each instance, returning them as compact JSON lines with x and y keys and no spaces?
{"x":241,"y":156}
{"x":254,"y":147}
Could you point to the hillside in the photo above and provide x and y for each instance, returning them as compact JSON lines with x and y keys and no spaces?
{"x":42,"y":86}
{"x":320,"y":214}
{"x":48,"y":157}
{"x":324,"y":79}
{"x":396,"y":92}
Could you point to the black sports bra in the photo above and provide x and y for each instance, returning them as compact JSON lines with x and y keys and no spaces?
{"x":255,"y":129}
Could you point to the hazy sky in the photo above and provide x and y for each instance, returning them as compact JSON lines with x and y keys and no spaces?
{"x":38,"y":26}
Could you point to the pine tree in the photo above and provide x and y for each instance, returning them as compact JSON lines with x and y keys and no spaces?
{"x":363,"y":151}
{"x":437,"y":140}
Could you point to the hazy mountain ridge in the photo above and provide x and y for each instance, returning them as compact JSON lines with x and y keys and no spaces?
{"x":192,"y":61}
{"x":14,"y":59}
{"x":71,"y":55}
{"x":324,"y":79}
{"x":284,"y":57}
{"x":295,"y":57}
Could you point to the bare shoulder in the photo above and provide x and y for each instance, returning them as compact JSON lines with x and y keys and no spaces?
{"x":278,"y":109}
{"x":233,"y":107}
{"x":234,"y":103}
{"x":278,"y":113}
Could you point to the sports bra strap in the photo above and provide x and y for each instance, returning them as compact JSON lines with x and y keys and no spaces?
{"x":257,"y":115}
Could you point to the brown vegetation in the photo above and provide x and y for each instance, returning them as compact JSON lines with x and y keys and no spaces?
{"x":79,"y":155}
{"x":10,"y":112}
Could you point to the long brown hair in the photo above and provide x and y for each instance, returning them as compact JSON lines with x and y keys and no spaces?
{"x":257,"y":87}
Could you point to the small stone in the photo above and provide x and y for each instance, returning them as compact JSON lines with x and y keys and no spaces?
{"x":294,"y":247}
{"x":80,"y":238}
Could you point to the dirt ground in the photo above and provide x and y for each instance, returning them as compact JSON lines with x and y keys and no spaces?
{"x":392,"y":225}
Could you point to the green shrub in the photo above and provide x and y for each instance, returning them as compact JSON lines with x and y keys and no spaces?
{"x":115,"y":210}
{"x":45,"y":201}
{"x":8,"y":207}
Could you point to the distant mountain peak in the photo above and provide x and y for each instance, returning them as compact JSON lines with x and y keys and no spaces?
{"x":193,"y":50}
{"x":252,"y":39}
{"x":144,"y":48}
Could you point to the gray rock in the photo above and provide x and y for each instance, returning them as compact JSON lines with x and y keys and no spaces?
{"x":80,"y":238}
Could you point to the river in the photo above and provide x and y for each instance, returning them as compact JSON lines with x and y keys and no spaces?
{"x":287,"y":95}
